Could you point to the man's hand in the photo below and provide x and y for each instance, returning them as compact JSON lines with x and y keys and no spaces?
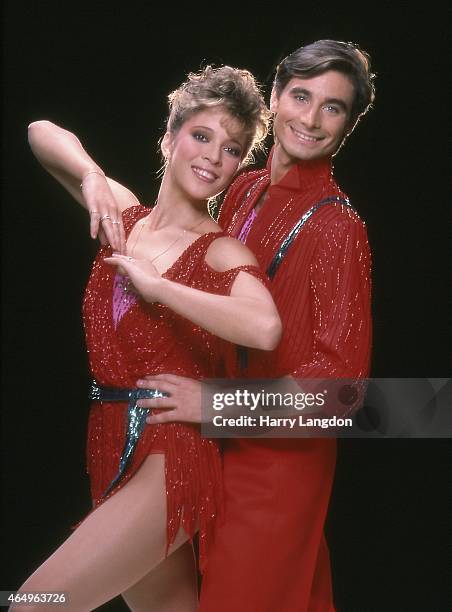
{"x":184,"y":403}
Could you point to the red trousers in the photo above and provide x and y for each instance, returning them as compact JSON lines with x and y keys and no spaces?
{"x":270,"y":554}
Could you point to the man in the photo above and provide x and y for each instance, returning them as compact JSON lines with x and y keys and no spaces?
{"x":270,"y":553}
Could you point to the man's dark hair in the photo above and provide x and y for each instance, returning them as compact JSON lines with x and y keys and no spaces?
{"x":323,"y":55}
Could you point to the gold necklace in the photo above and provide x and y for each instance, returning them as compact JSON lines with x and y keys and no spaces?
{"x":189,"y":229}
{"x":184,"y":231}
{"x":127,"y":285}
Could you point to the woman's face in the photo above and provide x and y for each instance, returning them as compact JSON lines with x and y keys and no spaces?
{"x":205,"y":153}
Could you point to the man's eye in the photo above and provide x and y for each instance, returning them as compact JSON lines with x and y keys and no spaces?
{"x":200,"y":137}
{"x":332,"y":109}
{"x":233,"y":151}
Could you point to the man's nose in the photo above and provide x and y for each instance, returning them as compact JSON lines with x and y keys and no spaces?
{"x":311,"y":117}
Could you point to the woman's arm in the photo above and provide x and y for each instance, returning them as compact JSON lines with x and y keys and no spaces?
{"x":62,"y":155}
{"x":247,"y":316}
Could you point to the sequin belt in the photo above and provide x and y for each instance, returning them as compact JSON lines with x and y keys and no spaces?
{"x":136,"y":420}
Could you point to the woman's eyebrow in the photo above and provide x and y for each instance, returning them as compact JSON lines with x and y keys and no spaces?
{"x":205,"y":127}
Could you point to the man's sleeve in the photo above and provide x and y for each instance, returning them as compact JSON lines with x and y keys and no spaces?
{"x":340,"y":286}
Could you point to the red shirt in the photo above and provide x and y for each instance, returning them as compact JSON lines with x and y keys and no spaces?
{"x":323,"y":288}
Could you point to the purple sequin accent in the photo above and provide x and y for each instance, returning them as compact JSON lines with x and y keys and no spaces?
{"x":247,"y":226}
{"x":123,"y":297}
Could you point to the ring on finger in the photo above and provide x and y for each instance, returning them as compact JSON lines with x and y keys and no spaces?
{"x":105,"y":217}
{"x":93,"y":212}
{"x":116,"y":222}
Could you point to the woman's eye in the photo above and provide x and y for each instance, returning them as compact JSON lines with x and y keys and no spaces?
{"x":233,"y":151}
{"x":200,"y":137}
{"x":301,"y":98}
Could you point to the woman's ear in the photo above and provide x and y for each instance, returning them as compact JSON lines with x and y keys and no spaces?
{"x":166,"y":145}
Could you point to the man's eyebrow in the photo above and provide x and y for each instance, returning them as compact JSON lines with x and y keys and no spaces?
{"x":338,"y":101}
{"x":300,"y":90}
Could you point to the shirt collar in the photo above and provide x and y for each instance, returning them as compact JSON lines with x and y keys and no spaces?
{"x":305,"y":173}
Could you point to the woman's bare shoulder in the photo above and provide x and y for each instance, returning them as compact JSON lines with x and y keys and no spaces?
{"x":225,"y":253}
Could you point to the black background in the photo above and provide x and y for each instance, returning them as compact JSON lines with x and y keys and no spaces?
{"x":103,"y":72}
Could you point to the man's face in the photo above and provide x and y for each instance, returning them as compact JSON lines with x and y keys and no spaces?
{"x":312,"y":115}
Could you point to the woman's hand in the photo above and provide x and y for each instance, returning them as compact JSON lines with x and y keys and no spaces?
{"x":105,"y":214}
{"x":142,"y":273}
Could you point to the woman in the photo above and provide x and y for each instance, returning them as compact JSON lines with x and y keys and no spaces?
{"x":160,"y":303}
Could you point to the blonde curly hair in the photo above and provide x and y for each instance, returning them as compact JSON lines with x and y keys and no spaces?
{"x":234,"y":89}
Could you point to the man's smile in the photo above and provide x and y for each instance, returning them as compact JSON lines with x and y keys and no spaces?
{"x":308,"y":138}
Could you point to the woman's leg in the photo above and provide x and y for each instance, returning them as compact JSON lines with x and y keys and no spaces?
{"x":115,"y":546}
{"x":169,"y":587}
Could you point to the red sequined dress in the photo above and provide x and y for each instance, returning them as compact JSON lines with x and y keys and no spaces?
{"x":270,"y":554}
{"x":128,"y":338}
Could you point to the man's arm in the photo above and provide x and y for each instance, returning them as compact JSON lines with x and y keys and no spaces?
{"x":340,"y":286}
{"x":340,"y":277}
